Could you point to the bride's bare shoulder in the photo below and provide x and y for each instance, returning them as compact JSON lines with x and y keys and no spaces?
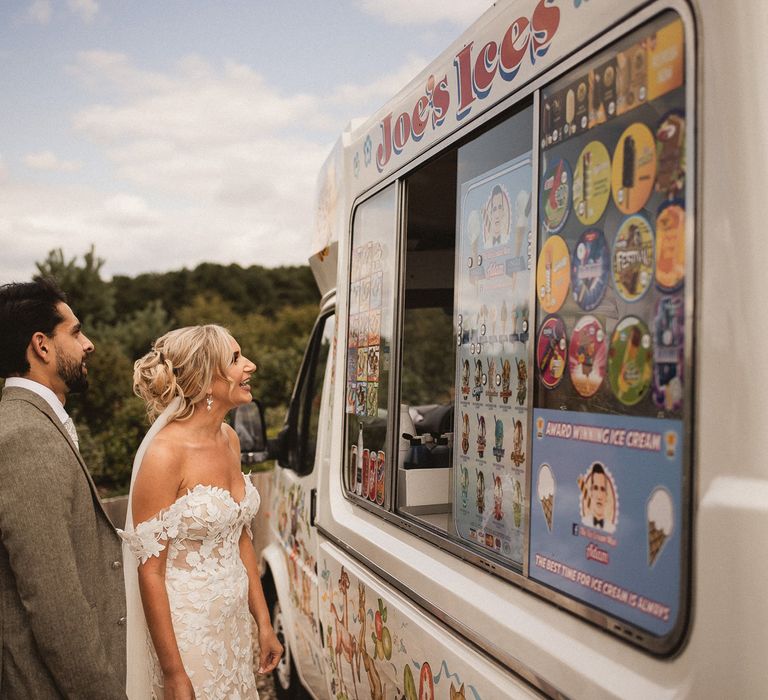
{"x":162,"y":470}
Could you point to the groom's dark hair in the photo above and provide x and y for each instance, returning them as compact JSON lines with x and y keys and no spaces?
{"x":26,"y":308}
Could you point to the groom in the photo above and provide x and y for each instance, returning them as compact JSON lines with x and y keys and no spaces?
{"x":62,"y":602}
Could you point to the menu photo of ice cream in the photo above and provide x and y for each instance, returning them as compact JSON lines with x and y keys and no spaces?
{"x":660,"y":520}
{"x":545,"y":487}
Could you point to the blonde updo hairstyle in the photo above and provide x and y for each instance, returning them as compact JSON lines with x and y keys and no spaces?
{"x":182,"y":363}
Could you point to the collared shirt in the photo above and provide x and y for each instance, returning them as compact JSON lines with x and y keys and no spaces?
{"x":43,"y":392}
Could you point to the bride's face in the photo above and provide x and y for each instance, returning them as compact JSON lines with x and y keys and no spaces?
{"x":237,"y":391}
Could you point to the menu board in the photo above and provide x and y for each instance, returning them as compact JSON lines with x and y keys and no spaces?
{"x":492,"y":292}
{"x":609,"y":412}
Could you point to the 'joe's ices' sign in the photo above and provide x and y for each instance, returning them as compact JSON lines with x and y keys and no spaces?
{"x":475,"y":73}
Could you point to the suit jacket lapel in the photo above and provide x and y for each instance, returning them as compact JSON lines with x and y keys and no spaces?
{"x":17,"y":393}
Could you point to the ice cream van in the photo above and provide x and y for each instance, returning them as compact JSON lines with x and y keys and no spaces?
{"x":525,"y":453}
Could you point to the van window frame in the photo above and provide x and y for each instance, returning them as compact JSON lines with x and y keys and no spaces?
{"x":300,"y":407}
{"x":672,"y":642}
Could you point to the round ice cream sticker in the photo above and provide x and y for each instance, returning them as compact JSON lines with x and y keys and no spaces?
{"x":587,"y":355}
{"x":552,"y":351}
{"x":633,"y":258}
{"x":670,"y":246}
{"x":556,"y":195}
{"x":634,"y":168}
{"x":553,"y":274}
{"x":592,"y":183}
{"x":589,"y":269}
{"x":629,"y":360}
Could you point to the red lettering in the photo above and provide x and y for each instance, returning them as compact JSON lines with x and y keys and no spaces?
{"x":513,"y":49}
{"x":545,"y":21}
{"x":441,"y":100}
{"x":401,"y":132}
{"x":384,"y":151}
{"x":463,"y":63}
{"x":419,"y":118}
{"x":485,"y":69}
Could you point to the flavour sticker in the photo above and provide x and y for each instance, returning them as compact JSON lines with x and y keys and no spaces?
{"x":551,"y":351}
{"x":670,"y":246}
{"x":556,"y":195}
{"x":590,"y":268}
{"x":666,"y":59}
{"x":592,"y":183}
{"x":670,"y":154}
{"x":553,"y":274}
{"x":633,"y":258}
{"x":632,"y":66}
{"x":668,"y":337}
{"x":587,"y":355}
{"x":634,"y":168}
{"x":553,"y":117}
{"x":629,"y":360}
{"x":602,"y":93}
{"x":576,"y":100}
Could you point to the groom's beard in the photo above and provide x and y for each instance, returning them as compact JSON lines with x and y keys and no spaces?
{"x":73,"y":373}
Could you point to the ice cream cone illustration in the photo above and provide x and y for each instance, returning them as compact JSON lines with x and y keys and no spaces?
{"x":517,"y":504}
{"x":660,"y":517}
{"x":546,"y":493}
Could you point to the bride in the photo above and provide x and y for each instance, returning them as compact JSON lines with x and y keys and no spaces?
{"x":189,"y":558}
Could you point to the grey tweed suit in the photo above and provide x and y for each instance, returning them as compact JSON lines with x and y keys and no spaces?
{"x":62,"y":599}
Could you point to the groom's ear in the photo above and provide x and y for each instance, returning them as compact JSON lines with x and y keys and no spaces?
{"x":39,"y":348}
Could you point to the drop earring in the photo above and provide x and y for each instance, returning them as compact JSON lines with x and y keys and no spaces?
{"x":209,"y":402}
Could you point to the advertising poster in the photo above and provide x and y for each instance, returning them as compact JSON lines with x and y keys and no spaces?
{"x":608,"y":462}
{"x":605,"y":513}
{"x":493,"y":280}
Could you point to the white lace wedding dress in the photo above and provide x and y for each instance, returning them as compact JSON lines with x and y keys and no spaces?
{"x":207,"y":588}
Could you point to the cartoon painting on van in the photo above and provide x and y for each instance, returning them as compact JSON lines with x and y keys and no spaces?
{"x":374,"y":649}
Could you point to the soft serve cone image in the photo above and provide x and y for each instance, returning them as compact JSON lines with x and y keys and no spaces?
{"x":546,"y":492}
{"x":660,"y":516}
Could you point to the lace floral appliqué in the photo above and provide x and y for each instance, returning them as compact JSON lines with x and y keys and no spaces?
{"x":207,"y":587}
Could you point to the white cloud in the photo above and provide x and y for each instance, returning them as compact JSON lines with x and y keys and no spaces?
{"x":214,"y":164}
{"x":113,"y":72}
{"x":426,"y":12}
{"x":378,"y":91}
{"x":40,"y":11}
{"x":85,"y":9}
{"x":49,"y":161}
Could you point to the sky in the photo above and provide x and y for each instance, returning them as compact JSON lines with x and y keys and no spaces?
{"x":176,"y":132}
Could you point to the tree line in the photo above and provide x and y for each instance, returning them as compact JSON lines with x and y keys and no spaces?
{"x":270,"y":311}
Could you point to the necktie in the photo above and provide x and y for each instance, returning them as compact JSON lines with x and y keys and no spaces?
{"x":69,"y":426}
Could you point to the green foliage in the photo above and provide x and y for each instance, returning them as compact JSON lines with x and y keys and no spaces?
{"x":137,"y":331}
{"x":244,"y":290}
{"x":427,"y":371}
{"x":270,"y":312}
{"x":92,"y":298}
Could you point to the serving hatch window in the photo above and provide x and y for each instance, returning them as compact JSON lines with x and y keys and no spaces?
{"x":465,"y":325}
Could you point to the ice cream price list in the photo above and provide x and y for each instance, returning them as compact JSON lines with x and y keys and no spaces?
{"x":609,"y":405}
{"x":492,"y":335}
